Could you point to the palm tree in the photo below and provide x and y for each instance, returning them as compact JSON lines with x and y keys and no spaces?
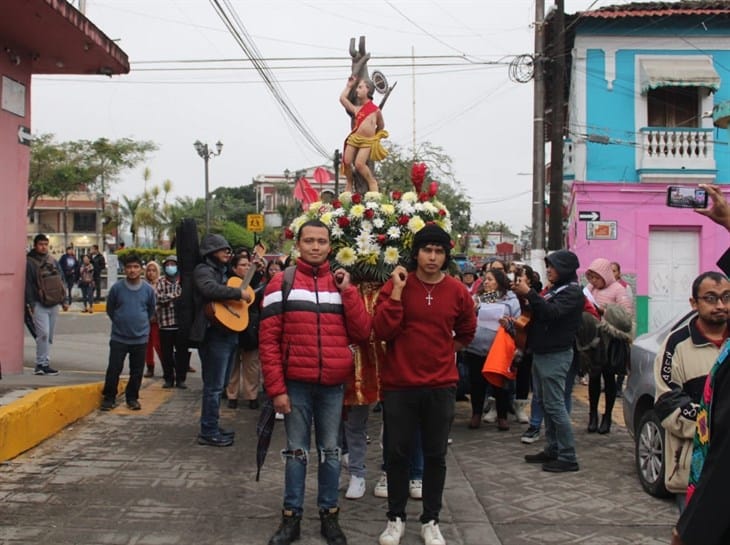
{"x":129,"y":208}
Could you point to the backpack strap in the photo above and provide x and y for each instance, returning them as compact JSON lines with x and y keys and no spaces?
{"x":286,"y":285}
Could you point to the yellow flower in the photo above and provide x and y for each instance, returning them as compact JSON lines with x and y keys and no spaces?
{"x":345,"y":198}
{"x":415,"y":224}
{"x":357,"y":210}
{"x":391,"y":256}
{"x":387,"y":209}
{"x":373,"y":196}
{"x":346,"y":257}
{"x":315,"y":205}
{"x":326,"y":218}
{"x":409,"y":196}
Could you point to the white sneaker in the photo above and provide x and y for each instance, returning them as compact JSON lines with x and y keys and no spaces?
{"x":356,"y":490}
{"x":393,"y":532}
{"x":490,"y":416}
{"x":431,"y":534}
{"x":279,"y":416}
{"x":520,"y":414}
{"x":381,"y":487}
{"x":415,"y":489}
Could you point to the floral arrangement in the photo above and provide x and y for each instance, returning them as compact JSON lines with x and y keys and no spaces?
{"x":372,"y":233}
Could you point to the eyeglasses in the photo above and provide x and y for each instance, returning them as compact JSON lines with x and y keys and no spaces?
{"x":712,"y":299}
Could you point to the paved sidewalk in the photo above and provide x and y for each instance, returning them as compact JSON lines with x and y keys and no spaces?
{"x":140,"y":478}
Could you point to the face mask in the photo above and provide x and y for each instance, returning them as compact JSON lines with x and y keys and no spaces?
{"x":171,"y":270}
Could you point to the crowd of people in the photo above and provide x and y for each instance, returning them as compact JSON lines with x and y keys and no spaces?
{"x":304,"y":320}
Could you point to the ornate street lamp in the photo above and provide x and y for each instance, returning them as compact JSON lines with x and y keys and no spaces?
{"x":206,"y":154}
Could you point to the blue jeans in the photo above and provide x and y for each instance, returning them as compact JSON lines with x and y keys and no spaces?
{"x":87,"y":294}
{"x":215,"y":352}
{"x":551,"y":371}
{"x":536,"y":411}
{"x":44,"y":321}
{"x":356,"y":438}
{"x":323,"y":405}
{"x":117,"y":352}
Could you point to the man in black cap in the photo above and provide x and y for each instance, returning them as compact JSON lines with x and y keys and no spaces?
{"x":425,"y":316}
{"x":556,"y":316}
{"x":217,"y":344}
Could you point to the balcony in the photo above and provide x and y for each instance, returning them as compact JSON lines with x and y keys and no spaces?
{"x":682,"y":153}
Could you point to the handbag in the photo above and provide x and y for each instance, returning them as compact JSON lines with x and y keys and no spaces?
{"x":498,"y":364}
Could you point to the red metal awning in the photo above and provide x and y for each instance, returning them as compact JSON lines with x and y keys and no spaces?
{"x":57,"y":39}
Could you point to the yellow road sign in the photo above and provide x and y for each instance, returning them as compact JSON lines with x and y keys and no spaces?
{"x":255,"y":223}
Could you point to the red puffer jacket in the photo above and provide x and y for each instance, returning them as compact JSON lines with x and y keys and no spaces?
{"x":310,"y":342}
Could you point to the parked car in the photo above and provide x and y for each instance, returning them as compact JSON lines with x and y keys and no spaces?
{"x":638,"y":404}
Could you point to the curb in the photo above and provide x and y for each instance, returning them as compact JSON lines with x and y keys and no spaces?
{"x":44,"y":412}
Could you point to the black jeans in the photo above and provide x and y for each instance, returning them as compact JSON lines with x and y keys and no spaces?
{"x":431,"y":410}
{"x":477,"y":383}
{"x":97,"y":288}
{"x":117,"y":352}
{"x":175,"y":355}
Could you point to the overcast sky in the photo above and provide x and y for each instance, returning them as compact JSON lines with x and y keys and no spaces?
{"x":467,"y":105}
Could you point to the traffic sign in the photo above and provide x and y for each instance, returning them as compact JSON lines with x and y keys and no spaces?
{"x":255,"y":222}
{"x":24,"y":135}
{"x":589,"y":216}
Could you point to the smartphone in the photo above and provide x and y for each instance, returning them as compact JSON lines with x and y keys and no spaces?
{"x":686,"y":197}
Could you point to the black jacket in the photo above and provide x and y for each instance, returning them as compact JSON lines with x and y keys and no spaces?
{"x":557,"y":314}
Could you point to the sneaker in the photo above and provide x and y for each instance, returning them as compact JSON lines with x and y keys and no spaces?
{"x":393,"y":532}
{"x":107,"y":404}
{"x":540,"y":458}
{"x":356,"y":490}
{"x":381,"y":487}
{"x":415,"y":488}
{"x":46,"y":370}
{"x":215,"y":441}
{"x":431,"y":534}
{"x":490,"y":417}
{"x":530,"y":435}
{"x":560,"y":466}
{"x":133,"y":405}
{"x":279,"y":416}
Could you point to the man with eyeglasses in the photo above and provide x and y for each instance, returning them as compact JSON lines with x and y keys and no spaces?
{"x":680,"y":371}
{"x":217,"y":344}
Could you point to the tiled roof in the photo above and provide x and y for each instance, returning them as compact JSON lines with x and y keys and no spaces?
{"x":659,"y":9}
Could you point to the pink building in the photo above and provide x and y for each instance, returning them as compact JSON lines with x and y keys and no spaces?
{"x":36,"y":37}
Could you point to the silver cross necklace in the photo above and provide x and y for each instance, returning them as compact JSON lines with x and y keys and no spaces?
{"x":428,"y":297}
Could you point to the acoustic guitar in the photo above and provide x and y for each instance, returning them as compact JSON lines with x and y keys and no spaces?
{"x":232,"y":314}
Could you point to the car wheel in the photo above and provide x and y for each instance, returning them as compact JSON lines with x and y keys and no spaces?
{"x":649,"y":455}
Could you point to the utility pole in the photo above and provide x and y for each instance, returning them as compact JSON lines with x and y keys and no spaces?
{"x":538,"y":144}
{"x":336,"y":163}
{"x":413,"y":79}
{"x":557,"y":69}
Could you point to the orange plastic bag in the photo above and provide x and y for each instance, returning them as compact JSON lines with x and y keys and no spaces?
{"x":498,"y":365}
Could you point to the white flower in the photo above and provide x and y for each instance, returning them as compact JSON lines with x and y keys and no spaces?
{"x":391,"y":256}
{"x":345,"y":198}
{"x":409,"y":196}
{"x":357,"y":211}
{"x":378,"y":223}
{"x":415,"y":224}
{"x":336,"y":231}
{"x":367,"y":225}
{"x":430,"y":208}
{"x":445,"y":224}
{"x":364,"y":241}
{"x":406,"y":208}
{"x":393,"y":233}
{"x":298,"y":222}
{"x":373,"y":196}
{"x":346,"y":257}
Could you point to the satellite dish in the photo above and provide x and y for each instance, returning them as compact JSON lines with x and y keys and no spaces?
{"x":381,"y":84}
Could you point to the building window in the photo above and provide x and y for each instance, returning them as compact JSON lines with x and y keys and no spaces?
{"x":674,"y":107}
{"x":84,"y":222}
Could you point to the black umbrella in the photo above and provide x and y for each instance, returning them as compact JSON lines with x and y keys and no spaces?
{"x":264,"y":430}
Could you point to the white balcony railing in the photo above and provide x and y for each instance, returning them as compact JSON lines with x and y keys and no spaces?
{"x":669,"y":148}
{"x":568,"y":159}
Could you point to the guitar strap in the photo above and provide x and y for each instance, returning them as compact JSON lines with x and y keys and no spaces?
{"x":286,"y":286}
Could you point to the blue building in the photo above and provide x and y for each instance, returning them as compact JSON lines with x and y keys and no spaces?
{"x":642,"y":80}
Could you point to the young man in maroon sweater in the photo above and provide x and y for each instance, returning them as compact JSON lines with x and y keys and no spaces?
{"x":425,"y":316}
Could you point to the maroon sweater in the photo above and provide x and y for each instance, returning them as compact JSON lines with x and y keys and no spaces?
{"x":420,"y":338}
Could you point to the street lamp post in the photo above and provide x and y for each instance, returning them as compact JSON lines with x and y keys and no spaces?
{"x":206,"y":154}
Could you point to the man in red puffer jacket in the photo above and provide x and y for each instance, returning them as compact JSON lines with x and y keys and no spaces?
{"x":304,"y":347}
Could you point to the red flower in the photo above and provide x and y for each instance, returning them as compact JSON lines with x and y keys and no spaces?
{"x":423,"y":197}
{"x":442,"y":212}
{"x":396,"y":195}
{"x":403,"y":220}
{"x":343,"y":221}
{"x":369,"y":213}
{"x":433,"y":188}
{"x":381,"y":239}
{"x":418,"y":174}
{"x":356,"y":198}
{"x":336,"y":204}
{"x":288,"y":233}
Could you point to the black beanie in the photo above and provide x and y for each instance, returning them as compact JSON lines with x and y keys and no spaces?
{"x":432,"y":234}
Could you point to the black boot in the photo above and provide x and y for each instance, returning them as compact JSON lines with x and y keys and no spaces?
{"x":288,"y":529}
{"x":330,"y":529}
{"x":605,"y":426}
{"x":592,"y":422}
